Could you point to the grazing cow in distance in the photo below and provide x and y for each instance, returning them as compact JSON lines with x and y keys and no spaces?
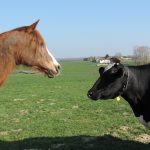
{"x":132,"y":83}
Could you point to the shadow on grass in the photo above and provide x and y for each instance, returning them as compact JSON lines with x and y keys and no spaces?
{"x":106,"y":142}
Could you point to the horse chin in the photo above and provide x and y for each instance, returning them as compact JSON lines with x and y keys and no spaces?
{"x":50,"y":75}
{"x":48,"y":72}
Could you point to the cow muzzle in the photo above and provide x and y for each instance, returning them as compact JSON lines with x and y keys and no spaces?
{"x":92,"y":95}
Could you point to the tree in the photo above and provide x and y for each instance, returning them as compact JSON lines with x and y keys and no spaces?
{"x":141,"y":54}
{"x":85,"y":59}
{"x":118,"y":55}
{"x":106,"y":56}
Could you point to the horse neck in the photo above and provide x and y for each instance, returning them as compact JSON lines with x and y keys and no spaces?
{"x":7,"y":61}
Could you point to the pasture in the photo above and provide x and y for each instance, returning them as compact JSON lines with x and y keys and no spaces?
{"x":41,"y":113}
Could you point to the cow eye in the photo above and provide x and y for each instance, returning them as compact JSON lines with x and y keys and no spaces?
{"x":114,"y":70}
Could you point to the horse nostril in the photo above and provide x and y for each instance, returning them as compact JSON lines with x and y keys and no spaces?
{"x":58,"y":67}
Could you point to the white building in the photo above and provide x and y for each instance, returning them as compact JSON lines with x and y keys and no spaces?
{"x":104,"y":61}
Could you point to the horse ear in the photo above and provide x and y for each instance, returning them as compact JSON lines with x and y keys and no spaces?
{"x":33,"y":26}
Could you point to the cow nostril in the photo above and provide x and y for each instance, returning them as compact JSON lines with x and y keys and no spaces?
{"x":90,"y":94}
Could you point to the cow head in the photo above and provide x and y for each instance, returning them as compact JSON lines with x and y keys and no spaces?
{"x":111,"y":82}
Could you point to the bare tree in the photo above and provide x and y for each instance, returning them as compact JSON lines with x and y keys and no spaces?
{"x":106,"y":56}
{"x":118,"y":55}
{"x":141,"y":54}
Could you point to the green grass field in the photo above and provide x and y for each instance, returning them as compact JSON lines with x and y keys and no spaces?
{"x":37,"y":113}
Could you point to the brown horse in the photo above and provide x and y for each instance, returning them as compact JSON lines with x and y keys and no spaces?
{"x":25,"y":46}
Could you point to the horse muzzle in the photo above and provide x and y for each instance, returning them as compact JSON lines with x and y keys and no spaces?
{"x":51,"y":73}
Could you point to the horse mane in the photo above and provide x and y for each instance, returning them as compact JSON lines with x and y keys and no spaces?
{"x":7,"y":64}
{"x":35,"y":33}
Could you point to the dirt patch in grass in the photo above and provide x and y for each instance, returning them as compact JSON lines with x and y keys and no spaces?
{"x":23,"y":111}
{"x":75,"y":107}
{"x":145,"y":138}
{"x":124,"y":128}
{"x":3,"y":133}
{"x":19,"y":99}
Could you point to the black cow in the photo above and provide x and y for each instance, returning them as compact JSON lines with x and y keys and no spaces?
{"x":132,"y":83}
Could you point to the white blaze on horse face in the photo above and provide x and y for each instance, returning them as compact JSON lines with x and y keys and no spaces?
{"x":53,"y":58}
{"x":146,"y":124}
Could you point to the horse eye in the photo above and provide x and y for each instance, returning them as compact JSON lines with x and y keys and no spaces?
{"x":42,"y":44}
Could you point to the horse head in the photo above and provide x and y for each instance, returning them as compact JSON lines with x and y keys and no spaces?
{"x":31,"y":50}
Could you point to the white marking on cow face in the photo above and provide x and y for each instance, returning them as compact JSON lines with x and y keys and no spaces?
{"x":109,"y":66}
{"x":53,"y":58}
{"x":146,"y":124}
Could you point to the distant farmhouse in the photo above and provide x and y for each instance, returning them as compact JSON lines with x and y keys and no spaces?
{"x":104,"y":60}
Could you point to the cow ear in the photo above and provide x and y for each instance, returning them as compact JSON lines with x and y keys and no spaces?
{"x":32,"y":26}
{"x":101,"y":70}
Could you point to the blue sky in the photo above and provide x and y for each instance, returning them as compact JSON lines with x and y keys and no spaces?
{"x":81,"y":28}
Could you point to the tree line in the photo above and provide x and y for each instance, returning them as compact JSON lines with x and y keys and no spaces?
{"x":141,"y":55}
